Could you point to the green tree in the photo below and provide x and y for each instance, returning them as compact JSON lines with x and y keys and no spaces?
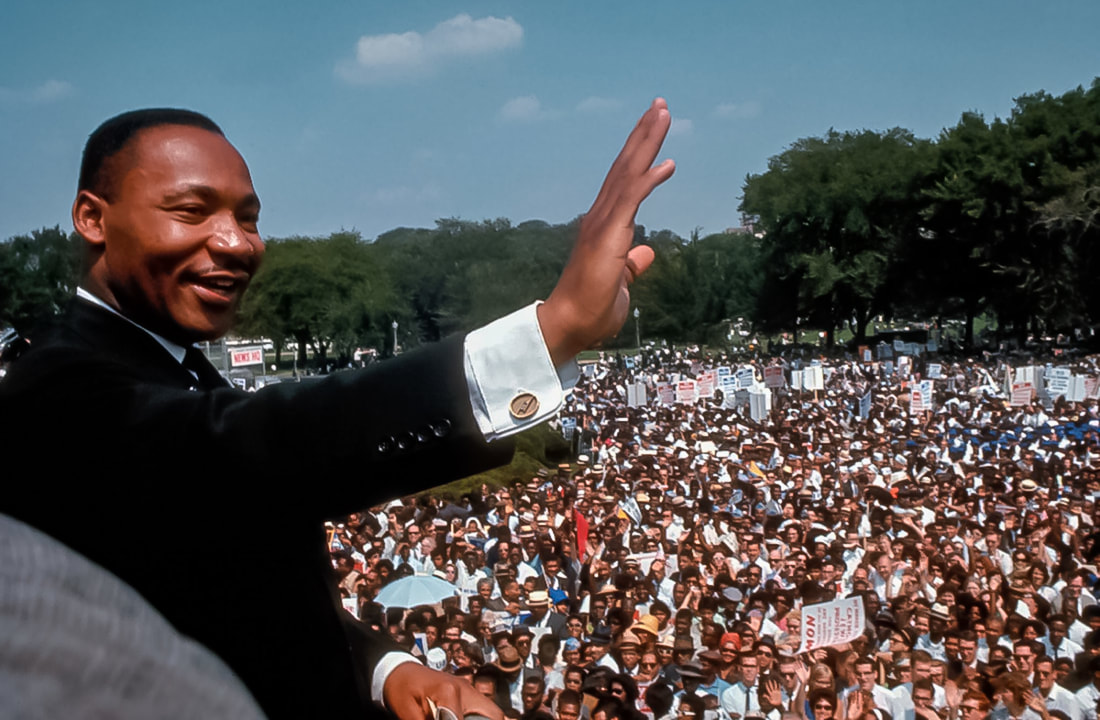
{"x":38,"y":274}
{"x":320,"y":292}
{"x":695,"y":288}
{"x":836,"y":211}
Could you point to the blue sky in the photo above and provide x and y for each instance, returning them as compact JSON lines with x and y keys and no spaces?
{"x":374,"y":115}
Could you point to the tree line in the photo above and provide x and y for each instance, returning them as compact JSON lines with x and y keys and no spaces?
{"x":993,"y":217}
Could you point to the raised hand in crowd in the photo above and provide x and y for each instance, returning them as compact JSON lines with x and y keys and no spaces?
{"x":859,"y":701}
{"x":771,"y":695}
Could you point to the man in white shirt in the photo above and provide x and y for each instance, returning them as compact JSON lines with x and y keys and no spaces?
{"x":883,"y":697}
{"x":1054,"y":695}
{"x":743,"y":697}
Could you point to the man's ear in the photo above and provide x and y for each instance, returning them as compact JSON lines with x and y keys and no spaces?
{"x":88,"y":209}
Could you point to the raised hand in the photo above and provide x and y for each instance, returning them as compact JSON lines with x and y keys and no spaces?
{"x":771,"y":694}
{"x":592,"y":297}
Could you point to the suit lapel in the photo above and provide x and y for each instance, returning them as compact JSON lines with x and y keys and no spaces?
{"x":112,"y":336}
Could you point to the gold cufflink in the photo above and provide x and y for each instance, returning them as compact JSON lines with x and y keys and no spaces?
{"x":523,"y":406}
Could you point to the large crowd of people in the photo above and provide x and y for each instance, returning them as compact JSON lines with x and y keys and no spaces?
{"x":664,"y":571}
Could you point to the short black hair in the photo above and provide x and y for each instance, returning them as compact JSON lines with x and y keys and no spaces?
{"x":110,"y":138}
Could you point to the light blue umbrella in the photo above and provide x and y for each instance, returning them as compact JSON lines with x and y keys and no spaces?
{"x":415,"y":590}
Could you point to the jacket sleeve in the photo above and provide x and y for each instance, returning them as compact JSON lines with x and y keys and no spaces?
{"x":324,"y":447}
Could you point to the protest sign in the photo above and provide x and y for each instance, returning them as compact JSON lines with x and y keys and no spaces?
{"x":865,"y":406}
{"x":864,"y":353}
{"x":1021,"y":394}
{"x":831,"y":623}
{"x":704,"y":384}
{"x":760,"y":404}
{"x":796,"y":379}
{"x":636,"y":394}
{"x":813,"y":378}
{"x":1092,"y":388}
{"x":925,"y":389}
{"x":568,"y":425}
{"x":1077,"y":390}
{"x":746,"y":376}
{"x":916,"y":402}
{"x":935,"y":371}
{"x":685,"y":391}
{"x":899,"y":346}
{"x":884,"y":351}
{"x":1058,"y":381}
{"x":1024,"y":375}
{"x":773,"y":377}
{"x":728,"y":384}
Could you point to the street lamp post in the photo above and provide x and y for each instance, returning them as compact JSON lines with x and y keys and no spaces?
{"x":394,"y":337}
{"x":638,"y":328}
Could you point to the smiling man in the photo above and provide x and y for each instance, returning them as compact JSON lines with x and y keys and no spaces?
{"x":170,"y":220}
{"x":145,"y":430}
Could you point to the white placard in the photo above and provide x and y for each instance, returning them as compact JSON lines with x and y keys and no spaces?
{"x":831,"y":623}
{"x":773,"y":377}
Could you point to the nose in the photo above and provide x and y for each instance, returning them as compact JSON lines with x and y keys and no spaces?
{"x":229,"y":238}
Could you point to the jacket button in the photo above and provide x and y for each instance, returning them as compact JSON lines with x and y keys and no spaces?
{"x":441,"y":428}
{"x":386,"y":445}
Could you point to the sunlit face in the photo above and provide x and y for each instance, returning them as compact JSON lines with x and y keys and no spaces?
{"x":568,"y":711}
{"x":176,"y":244}
{"x":922,"y":698}
{"x":865,"y":676}
{"x":750,"y":668}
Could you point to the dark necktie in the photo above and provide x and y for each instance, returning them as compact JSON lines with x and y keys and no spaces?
{"x":208,"y":377}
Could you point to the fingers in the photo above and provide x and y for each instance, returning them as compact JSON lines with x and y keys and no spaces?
{"x":411,"y":686}
{"x":632,"y":176}
{"x":641,"y":146}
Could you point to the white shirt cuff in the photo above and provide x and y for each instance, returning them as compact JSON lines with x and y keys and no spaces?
{"x":508,"y":359}
{"x":382,"y":672}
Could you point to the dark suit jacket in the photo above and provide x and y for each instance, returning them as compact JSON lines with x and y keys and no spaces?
{"x":556,"y":623}
{"x":210,"y":502}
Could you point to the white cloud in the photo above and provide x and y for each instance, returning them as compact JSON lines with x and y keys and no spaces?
{"x":47,"y":92}
{"x":597,"y":104}
{"x":395,"y":56}
{"x":738,"y":111}
{"x":51,"y":90}
{"x":521,"y":109}
{"x":462,"y":35}
{"x":681,"y":127}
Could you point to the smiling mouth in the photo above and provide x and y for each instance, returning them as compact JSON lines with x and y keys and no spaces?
{"x":219,"y":289}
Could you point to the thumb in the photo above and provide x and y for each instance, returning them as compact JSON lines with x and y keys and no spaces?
{"x":638,"y":260}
